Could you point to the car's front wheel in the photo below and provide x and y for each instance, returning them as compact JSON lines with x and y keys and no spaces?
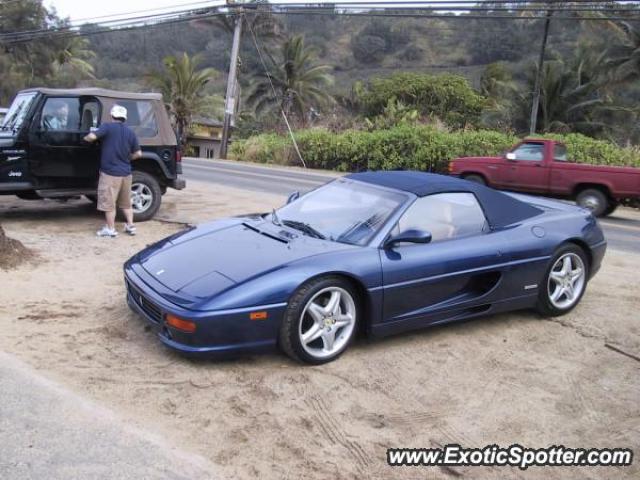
{"x":146,"y":196}
{"x":320,"y":321}
{"x":565,"y":281}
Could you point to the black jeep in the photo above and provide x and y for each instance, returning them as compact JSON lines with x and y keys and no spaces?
{"x":42,"y":153}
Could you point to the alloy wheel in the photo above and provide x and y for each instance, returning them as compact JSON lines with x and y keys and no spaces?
{"x":141,"y":197}
{"x":566,"y":281}
{"x":327,"y":322}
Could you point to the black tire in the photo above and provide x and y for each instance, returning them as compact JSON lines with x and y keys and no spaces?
{"x":544,"y":305}
{"x":28,"y":196}
{"x":475,"y":179}
{"x":594,"y":200}
{"x":152,"y":186}
{"x":290,"y":329}
{"x":611,"y":208}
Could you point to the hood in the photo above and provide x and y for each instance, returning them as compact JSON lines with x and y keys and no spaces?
{"x":213,"y":258}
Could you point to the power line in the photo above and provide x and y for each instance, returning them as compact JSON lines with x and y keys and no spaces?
{"x":275,"y":95}
{"x":189,"y":15}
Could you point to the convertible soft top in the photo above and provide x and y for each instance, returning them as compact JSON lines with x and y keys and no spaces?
{"x":500,"y":209}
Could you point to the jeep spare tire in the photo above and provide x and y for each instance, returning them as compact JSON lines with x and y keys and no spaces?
{"x":146,"y":196}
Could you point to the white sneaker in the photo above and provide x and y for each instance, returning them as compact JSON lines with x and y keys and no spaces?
{"x":130,"y":229}
{"x":107,"y":232}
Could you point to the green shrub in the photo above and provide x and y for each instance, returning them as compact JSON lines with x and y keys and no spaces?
{"x":408,"y":147}
{"x":448,"y":97}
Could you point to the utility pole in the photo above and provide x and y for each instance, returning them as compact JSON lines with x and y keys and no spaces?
{"x":536,"y":88}
{"x":230,"y":99}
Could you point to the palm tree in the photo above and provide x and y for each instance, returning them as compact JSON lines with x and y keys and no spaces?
{"x":181,"y":84}
{"x":75,"y":55}
{"x":624,"y":57}
{"x":299,"y":83}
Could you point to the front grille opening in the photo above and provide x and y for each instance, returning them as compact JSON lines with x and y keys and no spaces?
{"x":148,"y":307}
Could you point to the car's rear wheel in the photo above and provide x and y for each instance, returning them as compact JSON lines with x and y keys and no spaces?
{"x":475,"y":179}
{"x":320,"y":321}
{"x":146,"y":196}
{"x":565,"y":281}
{"x":594,"y":200}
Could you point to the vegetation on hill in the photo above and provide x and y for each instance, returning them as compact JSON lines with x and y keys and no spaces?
{"x":398,"y":74}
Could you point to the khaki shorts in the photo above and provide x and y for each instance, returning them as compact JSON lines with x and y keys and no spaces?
{"x":112,"y":190}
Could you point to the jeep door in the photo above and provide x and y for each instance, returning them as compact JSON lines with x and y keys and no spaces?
{"x":59,"y":156}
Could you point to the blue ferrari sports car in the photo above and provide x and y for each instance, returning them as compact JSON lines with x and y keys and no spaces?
{"x":373,"y":252}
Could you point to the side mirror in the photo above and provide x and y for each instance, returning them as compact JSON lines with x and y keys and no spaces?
{"x":409,"y":236}
{"x":293,"y":197}
{"x":510,"y":156}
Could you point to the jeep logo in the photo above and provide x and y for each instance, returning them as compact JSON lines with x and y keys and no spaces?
{"x":15,"y":174}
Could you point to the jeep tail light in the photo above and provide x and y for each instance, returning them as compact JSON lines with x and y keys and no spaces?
{"x":178,"y":156}
{"x":185,"y":326}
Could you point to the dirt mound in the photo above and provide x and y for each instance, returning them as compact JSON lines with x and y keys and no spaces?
{"x":12,"y":252}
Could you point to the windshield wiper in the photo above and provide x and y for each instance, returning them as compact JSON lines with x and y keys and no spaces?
{"x":304,"y":228}
{"x":274,"y":218}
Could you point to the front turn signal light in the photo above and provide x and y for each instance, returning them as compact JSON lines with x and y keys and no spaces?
{"x":185,"y":326}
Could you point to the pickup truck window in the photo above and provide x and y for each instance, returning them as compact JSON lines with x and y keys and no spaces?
{"x":446,"y":216}
{"x":533,"y":152}
{"x":560,"y":153}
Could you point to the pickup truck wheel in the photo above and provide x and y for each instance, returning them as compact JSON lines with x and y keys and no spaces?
{"x":475,"y":179}
{"x":146,"y":196}
{"x":594,"y":200}
{"x":611,"y":208}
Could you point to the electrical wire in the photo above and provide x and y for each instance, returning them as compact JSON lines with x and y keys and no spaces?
{"x":275,"y":94}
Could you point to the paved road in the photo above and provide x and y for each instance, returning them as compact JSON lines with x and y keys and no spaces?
{"x":622,"y":229}
{"x":49,"y":432}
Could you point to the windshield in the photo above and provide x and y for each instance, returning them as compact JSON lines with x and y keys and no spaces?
{"x":18,"y":111}
{"x":342,"y":211}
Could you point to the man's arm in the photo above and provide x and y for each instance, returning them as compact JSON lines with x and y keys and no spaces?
{"x":96,"y":134}
{"x":136,"y":155}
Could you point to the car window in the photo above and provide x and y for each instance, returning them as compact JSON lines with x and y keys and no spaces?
{"x":141,"y":117}
{"x":90,"y":117}
{"x":560,"y":153}
{"x":61,"y":114}
{"x":446,"y":216}
{"x":533,"y":152}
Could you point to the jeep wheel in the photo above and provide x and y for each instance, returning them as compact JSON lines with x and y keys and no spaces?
{"x":146,"y":196}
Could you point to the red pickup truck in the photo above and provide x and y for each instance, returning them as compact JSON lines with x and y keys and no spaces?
{"x":542,"y":166}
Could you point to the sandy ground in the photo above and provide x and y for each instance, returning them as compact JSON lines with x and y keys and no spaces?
{"x":505,"y":379}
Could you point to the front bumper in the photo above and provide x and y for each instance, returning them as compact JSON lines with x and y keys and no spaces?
{"x":218,"y":333}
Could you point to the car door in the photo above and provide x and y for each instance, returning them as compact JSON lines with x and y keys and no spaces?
{"x":525,"y":168}
{"x":58,"y":153}
{"x":427,"y":283}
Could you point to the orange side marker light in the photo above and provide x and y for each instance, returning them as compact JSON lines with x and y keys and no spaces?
{"x":258,"y":315}
{"x":180,"y":324}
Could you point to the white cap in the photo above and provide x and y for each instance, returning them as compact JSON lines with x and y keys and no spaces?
{"x":118,"y":111}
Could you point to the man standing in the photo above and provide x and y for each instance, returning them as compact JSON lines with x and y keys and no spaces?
{"x":119,"y":147}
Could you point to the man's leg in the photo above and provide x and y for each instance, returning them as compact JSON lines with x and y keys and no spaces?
{"x":128,"y":214}
{"x":124,"y":202}
{"x":111,"y":219}
{"x":107,"y":204}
